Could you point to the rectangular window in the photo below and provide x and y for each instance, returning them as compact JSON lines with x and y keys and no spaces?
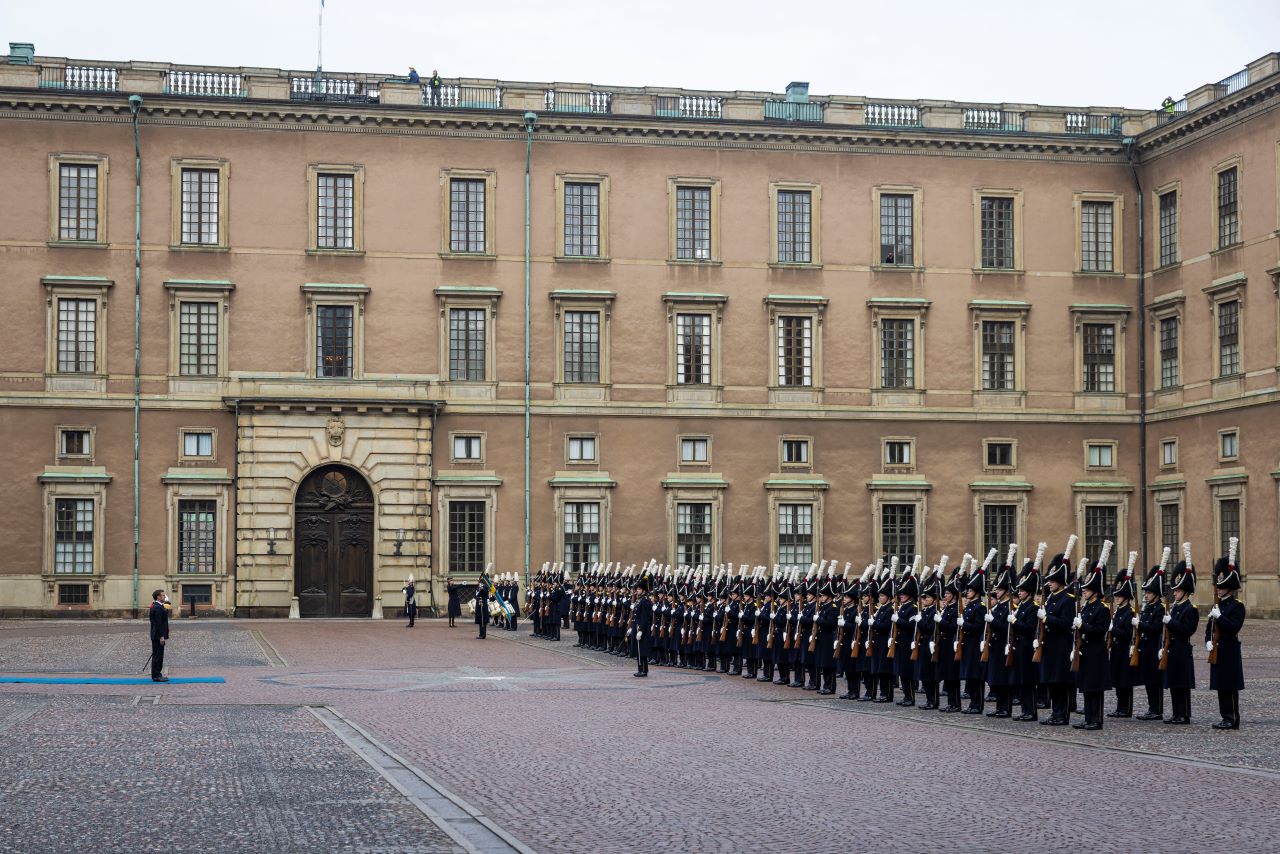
{"x":1228,"y":338}
{"x":1100,"y":523}
{"x":1228,"y":208}
{"x":77,"y":335}
{"x":795,"y":452}
{"x":1169,"y":452}
{"x":1101,"y":456}
{"x":897,"y":241}
{"x":73,"y":594}
{"x":1228,"y":521}
{"x":466,"y":536}
{"x":795,"y":351}
{"x":582,"y":346}
{"x":795,"y":534}
{"x":1099,"y":357}
{"x":335,"y":211}
{"x":1168,"y":228}
{"x":897,"y":353}
{"x":1097,"y":236}
{"x":197,"y":339}
{"x":466,"y":215}
{"x":197,"y":536}
{"x":693,"y":534}
{"x":997,"y":355}
{"x":466,"y":344}
{"x":78,"y":202}
{"x":999,"y":455}
{"x":693,"y":223}
{"x":200,"y":207}
{"x":694,"y":450}
{"x":466,"y":448}
{"x":334,"y":341}
{"x":1169,"y":373}
{"x":999,"y":528}
{"x":200,"y":594}
{"x":898,"y":531}
{"x":693,"y":349}
{"x":1169,"y":527}
{"x":897,"y":452}
{"x":73,"y":535}
{"x":582,"y":449}
{"x":795,"y":226}
{"x":581,"y":535}
{"x":1229,"y":444}
{"x":197,"y":444}
{"x":74,"y":443}
{"x":582,"y":220}
{"x":997,"y":233}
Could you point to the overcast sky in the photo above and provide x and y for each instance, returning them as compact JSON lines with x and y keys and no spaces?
{"x":1081,"y":53}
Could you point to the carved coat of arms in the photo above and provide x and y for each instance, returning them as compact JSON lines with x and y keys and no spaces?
{"x":335,"y":429}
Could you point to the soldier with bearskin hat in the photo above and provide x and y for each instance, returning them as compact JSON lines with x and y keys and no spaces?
{"x":1151,"y":640}
{"x":924,"y":646}
{"x":1057,"y":613}
{"x":1001,"y":675}
{"x":947,"y":621}
{"x":1222,"y":639}
{"x":908,"y":618}
{"x":1180,"y":626}
{"x":1024,"y":628}
{"x":973,"y":631}
{"x":1091,"y":623}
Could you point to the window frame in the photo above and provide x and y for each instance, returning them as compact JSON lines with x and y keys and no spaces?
{"x":681,"y":462}
{"x":324,"y":294}
{"x":86,"y":457}
{"x":917,"y":227}
{"x":355,"y":172}
{"x":176,"y":167}
{"x":1232,"y":288}
{"x":988,"y":466}
{"x":1234,"y":433}
{"x":895,"y":308}
{"x":601,"y":302}
{"x":814,"y":308}
{"x":562,"y":179}
{"x":1113,"y":445}
{"x":480,"y":435}
{"x":1116,"y":200}
{"x":979,"y":193}
{"x":184,"y":457}
{"x":713,"y":306}
{"x":674,"y":184}
{"x":56,"y":162}
{"x":1215,"y":233}
{"x":85,"y":484}
{"x":597,"y":492}
{"x":898,"y":468}
{"x":484,"y":299}
{"x":815,"y":224}
{"x":202,"y":291}
{"x":490,"y":179}
{"x":1000,"y":311}
{"x":784,"y":465}
{"x":1173,"y":188}
{"x":58,"y":288}
{"x":1118,"y":317}
{"x":1171,"y":441}
{"x":570,"y":438}
{"x":705,"y":491}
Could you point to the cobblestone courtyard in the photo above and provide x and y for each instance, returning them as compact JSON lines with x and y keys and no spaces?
{"x":365,"y":736}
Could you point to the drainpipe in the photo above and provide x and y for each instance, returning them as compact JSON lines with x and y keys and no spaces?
{"x":235,"y":497}
{"x":530,"y":118}
{"x":1142,"y":344}
{"x":135,"y":105}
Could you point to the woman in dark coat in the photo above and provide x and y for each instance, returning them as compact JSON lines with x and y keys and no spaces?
{"x":1226,"y":673}
{"x":1093,"y":675}
{"x":455,"y":602}
{"x":1181,"y":623}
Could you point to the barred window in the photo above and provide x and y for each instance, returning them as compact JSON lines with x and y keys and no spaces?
{"x":1168,"y":352}
{"x":466,"y":344}
{"x":582,"y":219}
{"x":1169,"y":537}
{"x":693,"y":533}
{"x":1228,"y":521}
{"x":1228,"y":208}
{"x":582,"y":346}
{"x":999,"y":527}
{"x":898,"y":531}
{"x":200,"y":207}
{"x":897,"y":353}
{"x":1168,"y":228}
{"x":1097,"y":236}
{"x":795,"y":351}
{"x":197,"y":338}
{"x":1099,"y":357}
{"x":581,"y":534}
{"x":997,"y":233}
{"x":335,"y":211}
{"x":693,"y":223}
{"x":73,"y":535}
{"x":466,"y":215}
{"x":897,"y":240}
{"x":795,"y":534}
{"x":197,"y":536}
{"x":466,"y":536}
{"x":1228,"y":338}
{"x":77,"y":331}
{"x":334,"y":340}
{"x":77,"y":202}
{"x":795,"y":224}
{"x":997,"y":355}
{"x":1101,"y":522}
{"x":73,"y":594}
{"x":693,"y":349}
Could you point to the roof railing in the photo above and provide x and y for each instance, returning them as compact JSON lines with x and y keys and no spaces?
{"x":688,"y":106}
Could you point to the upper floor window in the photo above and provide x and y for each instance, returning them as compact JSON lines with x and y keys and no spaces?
{"x":582,"y":346}
{"x":1228,"y":444}
{"x":693,"y":533}
{"x":1168,"y":228}
{"x":695,"y":449}
{"x":998,"y":355}
{"x":795,"y":227}
{"x":999,"y":454}
{"x":693,"y":349}
{"x":467,"y":215}
{"x":1228,"y":338}
{"x":795,"y":452}
{"x":335,"y":211}
{"x":582,"y":449}
{"x":78,"y":202}
{"x":467,"y":343}
{"x":1099,"y":368}
{"x":1228,"y":208}
{"x":897,"y":452}
{"x":1169,"y":453}
{"x":1169,"y":371}
{"x":468,"y":447}
{"x":997,"y":236}
{"x":197,"y":338}
{"x":897,"y":353}
{"x":77,"y":335}
{"x":795,"y":350}
{"x":197,"y":443}
{"x":1097,"y":236}
{"x":582,"y":219}
{"x":200,"y":207}
{"x":75,"y":442}
{"x":897,"y":230}
{"x":693,"y":223}
{"x":1101,"y":455}
{"x":335,"y":341}
{"x":795,"y":534}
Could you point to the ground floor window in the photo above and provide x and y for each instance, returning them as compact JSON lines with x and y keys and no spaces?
{"x":693,"y":533}
{"x":581,"y":535}
{"x":898,"y":531}
{"x":795,"y":534}
{"x":197,"y":536}
{"x":466,"y":536}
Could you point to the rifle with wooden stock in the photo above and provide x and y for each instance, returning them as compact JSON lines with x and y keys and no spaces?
{"x":1066,"y":561}
{"x":991,"y":606}
{"x":958,"y":643}
{"x":1079,"y":632}
{"x":1232,"y":545}
{"x":1135,"y":654}
{"x":1168,"y":636}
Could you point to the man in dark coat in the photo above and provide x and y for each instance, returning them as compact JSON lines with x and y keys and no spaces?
{"x":1222,"y":639}
{"x":847,"y":642}
{"x":158,"y":615}
{"x":455,"y":601}
{"x":1057,"y":612}
{"x":1001,"y":674}
{"x":908,"y":618}
{"x":1180,"y":624}
{"x":1093,"y":671}
{"x":1023,"y":632}
{"x":482,"y":606}
{"x":923,"y":645}
{"x":864,"y":663}
{"x":973,"y":624}
{"x":948,"y":622}
{"x":1150,"y":642}
{"x":1124,"y":624}
{"x":826,"y":617}
{"x":764,"y":619}
{"x":410,"y":601}
{"x":806,"y":660}
{"x":882,"y":623}
{"x":643,"y":627}
{"x":781,"y":644}
{"x":555,"y":612}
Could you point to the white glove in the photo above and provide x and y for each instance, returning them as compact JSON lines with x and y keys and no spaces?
{"x":894,"y":618}
{"x":840,"y":622}
{"x":933,"y":647}
{"x":1159,"y":654}
{"x":937,"y":617}
{"x":955,"y":646}
{"x":1134,"y":622}
{"x":857,"y":621}
{"x":753,"y":635}
{"x":639,"y":635}
{"x":700,"y":618}
{"x":1208,"y":645}
{"x":1072,"y":656}
{"x":982,"y":646}
{"x":1042,"y":613}
{"x":913,"y":644}
{"x":1215,"y":612}
{"x":1035,"y":643}
{"x":1006,"y":649}
{"x":1165,"y":619}
{"x":988,"y":617}
{"x":915,"y":618}
{"x":1077,"y":622}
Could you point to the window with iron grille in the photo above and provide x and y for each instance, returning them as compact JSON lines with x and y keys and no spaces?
{"x":693,"y":349}
{"x":1169,"y":527}
{"x":197,"y":338}
{"x":73,"y":594}
{"x":997,"y":233}
{"x":77,"y":331}
{"x":795,"y":350}
{"x":997,"y":355}
{"x":693,"y":223}
{"x":1228,"y":521}
{"x":73,"y":535}
{"x":897,"y":452}
{"x":795,"y":224}
{"x":897,"y":353}
{"x":898,"y":531}
{"x":1168,"y":228}
{"x":999,"y":528}
{"x":1099,"y":357}
{"x":1097,"y":236}
{"x":77,"y":202}
{"x":1228,"y":338}
{"x":74,"y":443}
{"x":466,"y":215}
{"x":693,"y":533}
{"x":334,"y":340}
{"x":1168,"y":352}
{"x":581,"y":534}
{"x":999,"y":455}
{"x":582,"y":346}
{"x":466,"y":536}
{"x":1100,"y":523}
{"x":335,"y":210}
{"x":795,"y":452}
{"x":582,"y":219}
{"x":897,"y":240}
{"x":200,"y":594}
{"x":795,"y":534}
{"x":466,"y":344}
{"x":200,"y":207}
{"x":1228,"y":208}
{"x":197,"y":536}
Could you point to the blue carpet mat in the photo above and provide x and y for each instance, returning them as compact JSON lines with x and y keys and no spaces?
{"x":106,"y":680}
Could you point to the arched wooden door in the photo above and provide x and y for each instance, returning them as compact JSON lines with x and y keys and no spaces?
{"x":333,"y":539}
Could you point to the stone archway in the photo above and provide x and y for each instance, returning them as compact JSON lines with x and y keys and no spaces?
{"x":333,"y":537}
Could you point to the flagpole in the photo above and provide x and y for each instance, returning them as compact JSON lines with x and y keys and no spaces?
{"x":320,"y":40}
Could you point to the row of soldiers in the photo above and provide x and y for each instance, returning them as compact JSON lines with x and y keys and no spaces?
{"x":1039,"y":637}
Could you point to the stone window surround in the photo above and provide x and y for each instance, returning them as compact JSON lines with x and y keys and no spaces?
{"x":917,"y":226}
{"x":815,"y":225}
{"x":809,"y":491}
{"x":708,"y":489}
{"x":465,"y":486}
{"x":1227,"y":431}
{"x":1115,"y":454}
{"x":787,"y":305}
{"x":356,"y":172}
{"x":1013,"y":459}
{"x":86,"y":459}
{"x":888,"y":491}
{"x":897,"y":468}
{"x":602,"y":181}
{"x":1174,"y":187}
{"x":578,"y":434}
{"x":1227,"y":289}
{"x":1162,"y":495}
{"x":695,"y":303}
{"x":1162,"y":464}
{"x":1011,"y":493}
{"x":783,"y":465}
{"x":326,"y":293}
{"x":198,"y":290}
{"x":77,"y":287}
{"x":490,"y":178}
{"x":223,"y":168}
{"x":1226,"y":487}
{"x":80,"y":483}
{"x":484,"y":447}
{"x":183,"y":457}
{"x":1116,"y":200}
{"x":563,"y":300}
{"x":196,"y":485}
{"x":1103,"y":494}
{"x":681,"y":463}
{"x":484,"y":298}
{"x":1163,"y":307}
{"x":598,"y":489}
{"x":59,"y":159}
{"x":1236,"y":162}
{"x":898,"y":308}
{"x":1116,"y":315}
{"x":1017,"y":312}
{"x":979,"y":193}
{"x":712,"y":184}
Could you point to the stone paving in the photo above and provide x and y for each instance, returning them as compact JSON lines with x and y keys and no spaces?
{"x":568,"y":753}
{"x":114,"y":648}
